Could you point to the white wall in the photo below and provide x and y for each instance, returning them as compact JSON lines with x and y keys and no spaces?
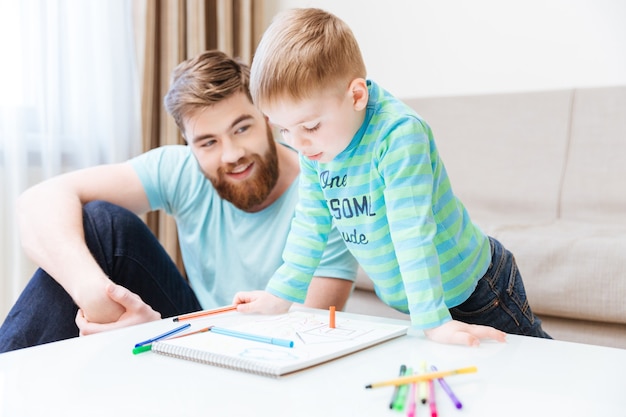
{"x":450,"y":47}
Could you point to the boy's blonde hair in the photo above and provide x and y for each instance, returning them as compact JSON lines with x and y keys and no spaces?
{"x":304,"y":51}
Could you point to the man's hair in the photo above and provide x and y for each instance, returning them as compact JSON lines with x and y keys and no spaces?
{"x":301,"y":52}
{"x":203,"y":81}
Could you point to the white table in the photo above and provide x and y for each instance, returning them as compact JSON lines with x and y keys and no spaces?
{"x":98,"y":376}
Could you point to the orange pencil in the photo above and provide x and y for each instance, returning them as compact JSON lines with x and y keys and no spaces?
{"x":422,"y":377}
{"x":331,"y":320}
{"x":205,"y":313}
{"x":206,"y":329}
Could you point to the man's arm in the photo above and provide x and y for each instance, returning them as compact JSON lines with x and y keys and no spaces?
{"x":51,"y":229}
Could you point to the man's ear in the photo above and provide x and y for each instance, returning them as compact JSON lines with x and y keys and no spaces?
{"x":359,"y":92}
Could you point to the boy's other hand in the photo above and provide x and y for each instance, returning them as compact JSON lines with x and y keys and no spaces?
{"x":458,"y":333}
{"x":260,"y":302}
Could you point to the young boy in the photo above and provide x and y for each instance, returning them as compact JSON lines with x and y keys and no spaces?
{"x":369,"y":165}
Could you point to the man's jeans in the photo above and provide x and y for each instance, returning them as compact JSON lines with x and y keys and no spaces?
{"x":127,"y":252}
{"x":499,"y":299}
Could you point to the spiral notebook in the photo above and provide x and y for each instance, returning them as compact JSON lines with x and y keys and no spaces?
{"x":314,"y":340}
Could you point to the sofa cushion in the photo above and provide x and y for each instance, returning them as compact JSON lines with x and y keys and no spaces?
{"x":571,"y":269}
{"x":594,"y":184}
{"x":505,"y":153}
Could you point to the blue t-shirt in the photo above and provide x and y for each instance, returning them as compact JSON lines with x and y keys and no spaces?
{"x":225,"y":249}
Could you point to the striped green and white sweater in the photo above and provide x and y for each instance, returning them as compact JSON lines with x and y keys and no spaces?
{"x":389,"y":195}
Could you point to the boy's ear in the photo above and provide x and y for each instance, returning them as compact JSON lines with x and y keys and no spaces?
{"x":359,"y":92}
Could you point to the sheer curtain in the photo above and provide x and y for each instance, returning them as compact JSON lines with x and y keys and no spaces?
{"x":69,"y":98}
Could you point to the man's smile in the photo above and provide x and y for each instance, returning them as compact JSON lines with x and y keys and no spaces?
{"x":241,"y":171}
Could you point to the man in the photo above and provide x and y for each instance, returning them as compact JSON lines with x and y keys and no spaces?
{"x":232,"y":191}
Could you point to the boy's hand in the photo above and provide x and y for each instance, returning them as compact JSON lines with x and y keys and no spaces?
{"x":136,"y":312}
{"x":260,"y":302}
{"x":458,"y":333}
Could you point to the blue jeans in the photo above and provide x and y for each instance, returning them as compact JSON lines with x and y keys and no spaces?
{"x":499,"y":299}
{"x":127,"y":252}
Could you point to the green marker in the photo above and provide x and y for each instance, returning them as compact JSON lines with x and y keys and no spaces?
{"x":403,"y":391}
{"x":142,"y":348}
{"x":396,"y":390}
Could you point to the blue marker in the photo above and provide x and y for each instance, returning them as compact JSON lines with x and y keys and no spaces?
{"x":164,"y":335}
{"x":256,"y":338}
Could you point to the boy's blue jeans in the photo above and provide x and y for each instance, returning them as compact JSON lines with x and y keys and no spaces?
{"x":127,"y":252}
{"x":499,"y":299}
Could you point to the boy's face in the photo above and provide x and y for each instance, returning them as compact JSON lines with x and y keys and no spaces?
{"x":319,"y":127}
{"x":235,"y":150}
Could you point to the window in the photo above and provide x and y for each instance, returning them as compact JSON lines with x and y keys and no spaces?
{"x":69,"y":98}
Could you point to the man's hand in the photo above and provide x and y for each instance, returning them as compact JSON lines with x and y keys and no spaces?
{"x":260,"y":302}
{"x":459,"y":333}
{"x":136,"y":312}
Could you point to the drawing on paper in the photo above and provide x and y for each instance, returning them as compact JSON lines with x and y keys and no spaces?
{"x":309,"y":328}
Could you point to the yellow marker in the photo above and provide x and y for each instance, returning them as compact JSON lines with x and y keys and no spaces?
{"x":423,"y":386}
{"x":422,"y":377}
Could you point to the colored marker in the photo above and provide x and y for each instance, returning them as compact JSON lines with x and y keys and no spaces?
{"x":143,"y":348}
{"x":205,"y":313}
{"x":431,"y":398}
{"x":423,"y":386}
{"x":164,"y":335}
{"x":331,"y":320}
{"x":402,"y":393}
{"x":397,"y":387}
{"x":256,"y":338}
{"x":146,"y":348}
{"x":448,"y":390}
{"x":422,"y":377}
{"x":206,"y":329}
{"x":410,"y":412}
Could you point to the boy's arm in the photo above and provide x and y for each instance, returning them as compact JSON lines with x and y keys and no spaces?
{"x":418,"y":259}
{"x":307,"y":241}
{"x":322,"y":293}
{"x":306,"y":244}
{"x":325,"y":292}
{"x":407,"y":169}
{"x":51,"y":229}
{"x":260,"y":302}
{"x":334,"y":277}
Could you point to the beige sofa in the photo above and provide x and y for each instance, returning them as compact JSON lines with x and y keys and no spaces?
{"x":545,"y":173}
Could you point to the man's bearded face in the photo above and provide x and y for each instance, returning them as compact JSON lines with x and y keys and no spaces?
{"x":249,"y":193}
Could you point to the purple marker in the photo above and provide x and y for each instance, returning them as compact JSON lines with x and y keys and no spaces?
{"x":448,"y":390}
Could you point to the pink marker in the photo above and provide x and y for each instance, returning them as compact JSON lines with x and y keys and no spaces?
{"x":410,"y":412}
{"x":431,"y":398}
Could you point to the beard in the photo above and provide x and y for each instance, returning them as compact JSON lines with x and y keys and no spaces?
{"x":247,"y":194}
